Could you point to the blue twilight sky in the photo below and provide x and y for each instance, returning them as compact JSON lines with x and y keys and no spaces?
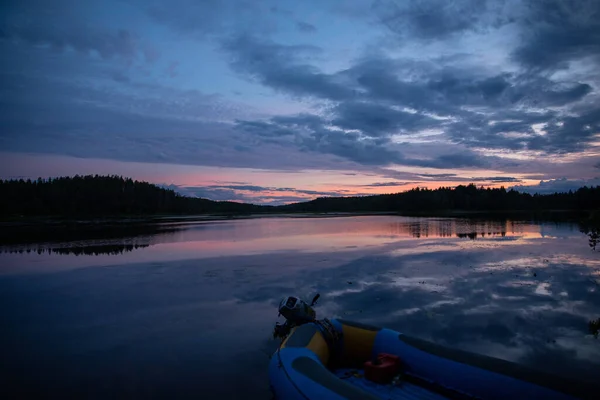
{"x":278,"y":101}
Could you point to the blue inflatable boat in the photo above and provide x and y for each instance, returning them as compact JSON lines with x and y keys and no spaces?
{"x":318,"y":360}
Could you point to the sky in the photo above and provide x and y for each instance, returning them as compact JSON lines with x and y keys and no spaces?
{"x":278,"y":101}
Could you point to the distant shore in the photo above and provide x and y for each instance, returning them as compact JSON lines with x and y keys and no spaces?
{"x":57,"y":221}
{"x":175,"y":218}
{"x":93,"y":204}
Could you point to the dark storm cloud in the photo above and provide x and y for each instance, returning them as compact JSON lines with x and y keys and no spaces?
{"x":280,"y":200}
{"x":189,"y":16}
{"x":304,"y":119}
{"x":249,"y":188}
{"x":380,"y":80}
{"x":567,"y":95}
{"x":379,"y":97}
{"x":316,"y":192}
{"x":570,"y":133}
{"x":210,"y":18}
{"x":258,"y":194}
{"x":282,"y":67}
{"x":551,"y":32}
{"x":119,"y":76}
{"x":316,"y":134}
{"x":387,"y":184}
{"x":362,"y":121}
{"x":513,"y":130}
{"x":27,"y":95}
{"x":121,"y":43}
{"x":497,"y":179}
{"x":460,"y":160}
{"x":455,"y":178}
{"x":351,"y":146}
{"x":376,"y":119}
{"x":555,"y":32}
{"x":436,"y":176}
{"x":360,"y":113}
{"x":443,"y":89}
{"x":262,"y":128}
{"x":255,"y":188}
{"x":433,"y":19}
{"x":305,"y":27}
{"x":155,"y":128}
{"x":537,"y":91}
{"x":216,"y":194}
{"x":312,"y":134}
{"x":57,"y":25}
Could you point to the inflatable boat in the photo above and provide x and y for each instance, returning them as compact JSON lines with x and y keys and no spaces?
{"x":337,"y":359}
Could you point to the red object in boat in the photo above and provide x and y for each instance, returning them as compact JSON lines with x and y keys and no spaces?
{"x":383,"y":368}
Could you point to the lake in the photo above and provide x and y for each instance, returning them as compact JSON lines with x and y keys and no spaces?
{"x":189,"y":311}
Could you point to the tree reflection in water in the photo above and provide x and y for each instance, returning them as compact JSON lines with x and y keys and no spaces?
{"x":96,"y":250}
{"x":591,"y":227}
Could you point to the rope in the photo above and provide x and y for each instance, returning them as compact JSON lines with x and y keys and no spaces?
{"x":330,"y":334}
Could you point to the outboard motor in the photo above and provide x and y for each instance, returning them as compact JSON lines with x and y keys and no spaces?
{"x":296,"y":312}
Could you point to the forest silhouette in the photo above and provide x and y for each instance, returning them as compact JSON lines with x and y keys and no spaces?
{"x":94,"y":195}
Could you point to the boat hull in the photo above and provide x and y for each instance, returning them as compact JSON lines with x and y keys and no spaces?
{"x":303,"y":368}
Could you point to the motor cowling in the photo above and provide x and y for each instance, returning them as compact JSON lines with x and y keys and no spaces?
{"x":296,"y":311}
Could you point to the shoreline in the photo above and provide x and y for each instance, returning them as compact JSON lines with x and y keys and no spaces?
{"x":174,"y":218}
{"x":53,"y":229}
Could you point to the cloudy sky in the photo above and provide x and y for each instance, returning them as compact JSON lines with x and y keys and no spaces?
{"x":275,"y":101}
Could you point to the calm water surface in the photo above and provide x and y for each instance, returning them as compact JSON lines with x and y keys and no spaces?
{"x":189,"y":313}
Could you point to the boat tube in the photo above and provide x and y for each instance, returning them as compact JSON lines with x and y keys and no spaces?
{"x":328,"y":361}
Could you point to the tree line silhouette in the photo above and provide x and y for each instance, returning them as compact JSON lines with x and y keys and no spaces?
{"x":95,"y":195}
{"x":117,"y":196}
{"x":466,"y":198}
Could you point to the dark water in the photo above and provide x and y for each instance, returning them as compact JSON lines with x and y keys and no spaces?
{"x":189,"y":312}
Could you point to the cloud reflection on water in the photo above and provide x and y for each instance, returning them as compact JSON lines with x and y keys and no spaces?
{"x":270,"y":235}
{"x":153,"y":319}
{"x":525,"y":298}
